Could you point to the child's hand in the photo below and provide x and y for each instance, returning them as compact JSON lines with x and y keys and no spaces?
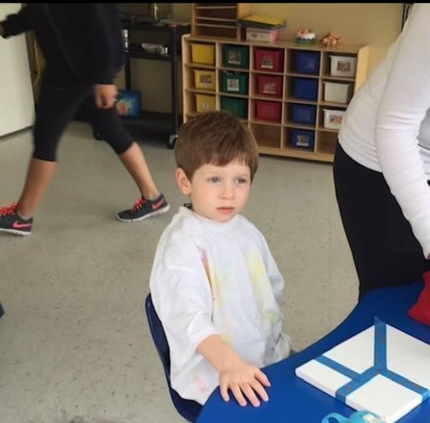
{"x":244,"y":380}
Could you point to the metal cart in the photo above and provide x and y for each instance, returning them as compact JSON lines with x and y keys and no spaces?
{"x":168,"y":34}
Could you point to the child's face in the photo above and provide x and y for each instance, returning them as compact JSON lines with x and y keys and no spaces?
{"x":217,"y":192}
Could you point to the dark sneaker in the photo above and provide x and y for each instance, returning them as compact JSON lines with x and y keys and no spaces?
{"x":11,"y":222}
{"x":144,"y":208}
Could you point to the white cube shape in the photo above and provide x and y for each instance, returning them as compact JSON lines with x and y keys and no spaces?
{"x":337,"y":92}
{"x":382,"y":370}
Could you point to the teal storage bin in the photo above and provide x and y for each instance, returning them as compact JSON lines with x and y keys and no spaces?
{"x":236,"y":106}
{"x":235,"y":56}
{"x":234,"y":83}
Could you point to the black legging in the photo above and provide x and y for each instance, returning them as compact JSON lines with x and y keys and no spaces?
{"x":57,"y":106}
{"x":384,"y":249}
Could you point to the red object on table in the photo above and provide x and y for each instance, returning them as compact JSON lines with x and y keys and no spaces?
{"x":421,"y":309}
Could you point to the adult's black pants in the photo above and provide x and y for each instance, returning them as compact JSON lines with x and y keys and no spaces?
{"x":384,"y":249}
{"x":57,"y":106}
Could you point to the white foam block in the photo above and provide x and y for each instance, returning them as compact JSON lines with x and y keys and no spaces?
{"x":406,"y":356}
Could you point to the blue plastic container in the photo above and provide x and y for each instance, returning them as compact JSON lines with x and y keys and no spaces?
{"x":308,"y":62}
{"x":304,"y":113}
{"x":301,"y":138}
{"x":305,"y":88}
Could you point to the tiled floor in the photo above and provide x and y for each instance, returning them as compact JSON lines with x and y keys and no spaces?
{"x":74,"y":342}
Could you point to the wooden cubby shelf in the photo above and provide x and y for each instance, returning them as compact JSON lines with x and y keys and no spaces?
{"x":291,"y":96}
{"x":218,"y":20}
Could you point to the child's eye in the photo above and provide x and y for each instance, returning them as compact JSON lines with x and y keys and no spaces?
{"x":214,"y":180}
{"x":242,"y":181}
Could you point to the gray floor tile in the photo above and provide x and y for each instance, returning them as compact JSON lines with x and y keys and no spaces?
{"x":74,"y":341}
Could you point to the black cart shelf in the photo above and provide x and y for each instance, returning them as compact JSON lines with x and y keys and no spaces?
{"x":168,"y":34}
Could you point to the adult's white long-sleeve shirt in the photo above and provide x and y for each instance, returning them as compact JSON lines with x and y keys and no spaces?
{"x":387,"y":124}
{"x":216,"y":278}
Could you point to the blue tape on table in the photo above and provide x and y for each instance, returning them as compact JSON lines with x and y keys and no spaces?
{"x":379,"y":368}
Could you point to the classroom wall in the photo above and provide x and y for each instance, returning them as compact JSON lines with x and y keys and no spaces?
{"x":375,"y":24}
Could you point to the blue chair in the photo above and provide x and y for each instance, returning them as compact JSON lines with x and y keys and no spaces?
{"x":188,"y":409}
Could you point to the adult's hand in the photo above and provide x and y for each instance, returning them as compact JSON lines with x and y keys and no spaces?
{"x":105,"y":95}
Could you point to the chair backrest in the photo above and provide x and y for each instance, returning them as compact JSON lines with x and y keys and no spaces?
{"x":188,"y":409}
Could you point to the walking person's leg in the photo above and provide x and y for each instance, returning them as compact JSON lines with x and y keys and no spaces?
{"x":39,"y":176}
{"x":56,"y":107}
{"x":110,"y":127}
{"x":135,"y":162}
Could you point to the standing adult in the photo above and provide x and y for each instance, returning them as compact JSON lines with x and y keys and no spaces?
{"x":382,"y":163}
{"x":83,"y":48}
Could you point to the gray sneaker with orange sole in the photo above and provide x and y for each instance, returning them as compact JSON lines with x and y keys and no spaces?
{"x":143,"y":209}
{"x":11,"y":221}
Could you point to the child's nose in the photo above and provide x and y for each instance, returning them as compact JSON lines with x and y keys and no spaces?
{"x":228,"y":191}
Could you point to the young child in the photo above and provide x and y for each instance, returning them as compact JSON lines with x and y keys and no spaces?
{"x":214,"y":283}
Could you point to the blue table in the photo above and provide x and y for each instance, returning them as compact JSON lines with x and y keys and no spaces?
{"x":294,"y":401}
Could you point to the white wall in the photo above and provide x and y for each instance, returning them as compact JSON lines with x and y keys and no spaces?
{"x":16,"y":93}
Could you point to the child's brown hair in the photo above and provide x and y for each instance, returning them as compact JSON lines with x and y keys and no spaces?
{"x":217,"y":138}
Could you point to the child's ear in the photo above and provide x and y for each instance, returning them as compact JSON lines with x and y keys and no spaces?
{"x":183,"y":182}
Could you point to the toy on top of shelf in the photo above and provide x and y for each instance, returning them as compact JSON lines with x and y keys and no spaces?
{"x":305,"y":36}
{"x":331,"y":39}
